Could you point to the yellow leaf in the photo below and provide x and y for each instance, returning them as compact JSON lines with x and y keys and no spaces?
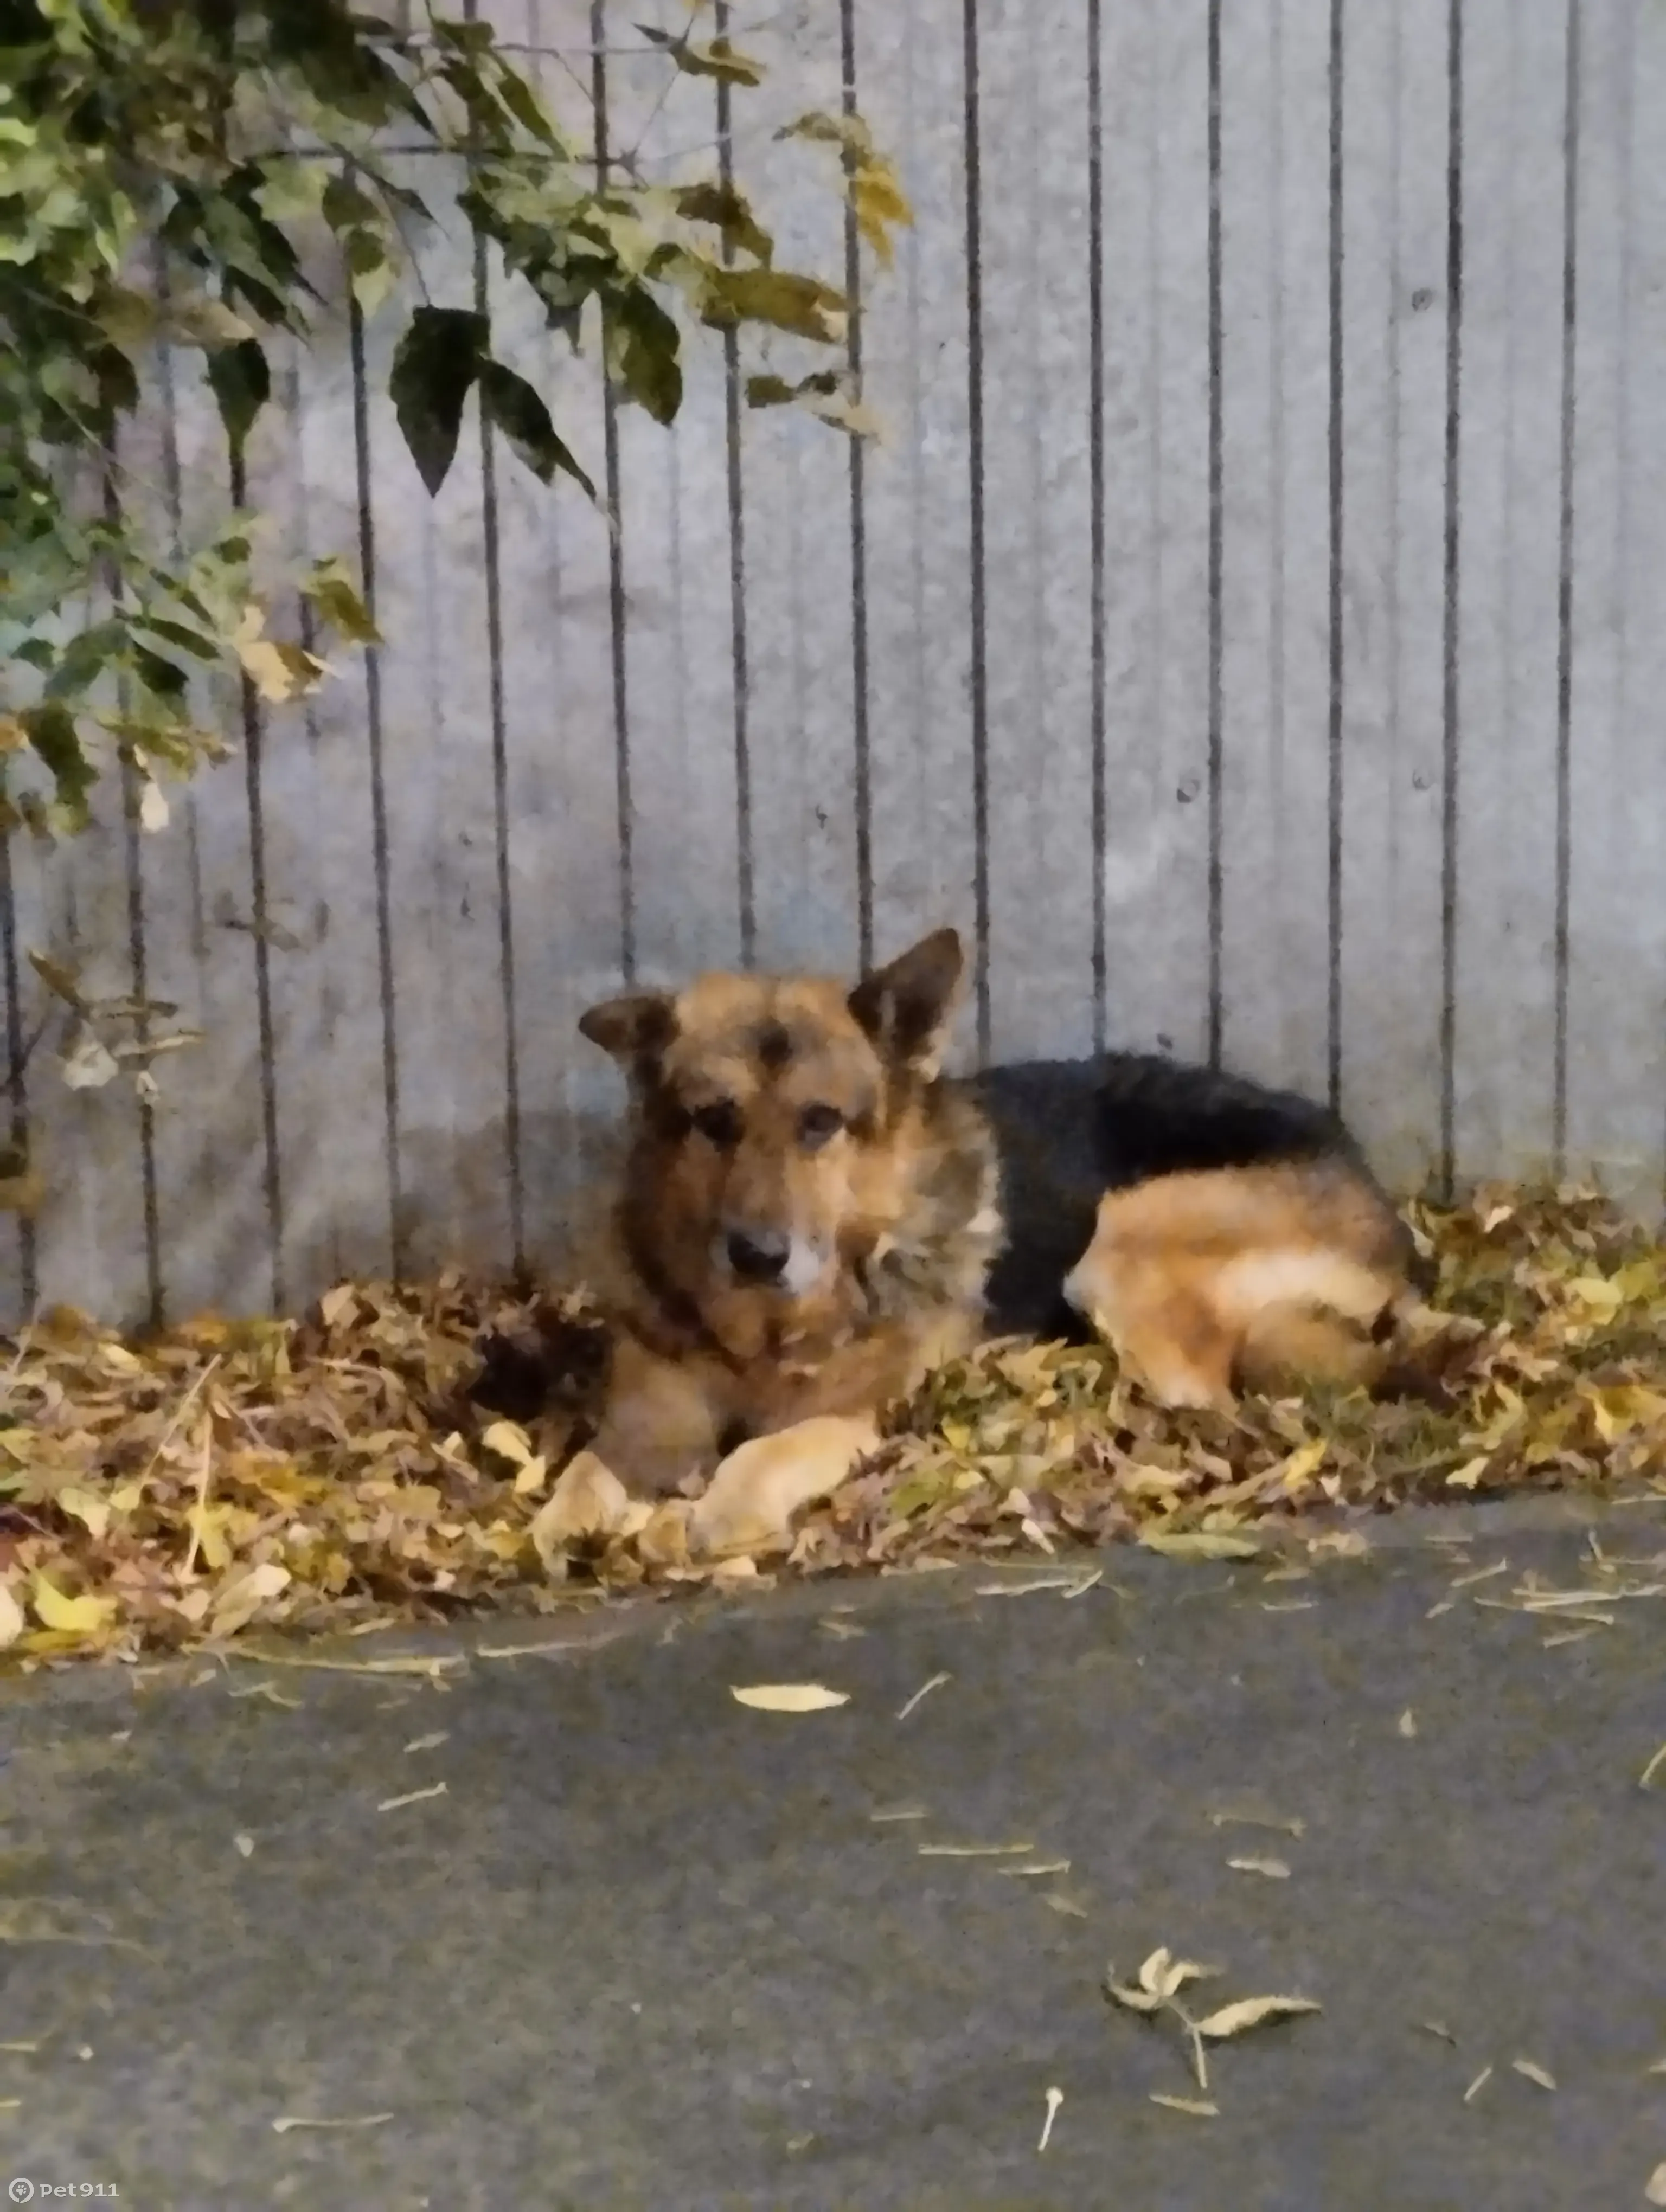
{"x":530,"y":1476}
{"x":278,"y":672}
{"x":72,"y":1616}
{"x":93,"y":1512}
{"x":207,"y":1524}
{"x":509,"y":1441}
{"x":1303,"y":1464}
{"x":12,"y":1619}
{"x":336,"y":1304}
{"x":789,"y":1697}
{"x":878,"y":201}
{"x":1466,"y":1476}
{"x":1597,"y":1292}
{"x":1250,"y":2012}
{"x":1200,"y":1543}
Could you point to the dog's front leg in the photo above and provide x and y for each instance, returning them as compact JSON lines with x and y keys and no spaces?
{"x":662,"y":1420}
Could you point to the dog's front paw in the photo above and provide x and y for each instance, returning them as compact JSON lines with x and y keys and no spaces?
{"x":588,"y":1501}
{"x":750,"y":1502}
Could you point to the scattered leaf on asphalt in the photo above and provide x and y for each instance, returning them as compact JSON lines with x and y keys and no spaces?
{"x":293,"y":2120}
{"x":899,"y":1813}
{"x":404,"y":1663}
{"x":1438,"y":2028}
{"x":1407,"y":1724}
{"x":1478,"y":2085}
{"x":1054,"y":2098}
{"x":1655,"y":2191}
{"x":1656,"y":1765}
{"x":411,"y":1797}
{"x":245,"y":1843}
{"x":1250,"y":2012}
{"x":429,"y":1743}
{"x":1200,"y":2107}
{"x":924,"y":1691}
{"x":789,"y":1697}
{"x":1274,"y":1870}
{"x":1533,"y":2073}
{"x":975,"y":1850}
{"x":1296,"y":1828}
{"x":1061,"y":1901}
{"x":1481,"y":1575}
{"x":1037,"y":1867}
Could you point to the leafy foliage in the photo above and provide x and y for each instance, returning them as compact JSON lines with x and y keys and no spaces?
{"x":169,"y":172}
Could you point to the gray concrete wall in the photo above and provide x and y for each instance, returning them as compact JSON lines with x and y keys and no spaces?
{"x":1249,"y":633}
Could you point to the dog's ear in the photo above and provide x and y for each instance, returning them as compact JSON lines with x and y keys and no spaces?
{"x":633,"y":1030}
{"x":906,"y":1007}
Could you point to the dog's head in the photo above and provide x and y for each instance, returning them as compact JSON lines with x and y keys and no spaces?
{"x":774,"y":1115}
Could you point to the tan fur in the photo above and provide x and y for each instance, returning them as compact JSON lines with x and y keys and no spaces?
{"x":1245,"y":1275}
{"x":891,"y":1218}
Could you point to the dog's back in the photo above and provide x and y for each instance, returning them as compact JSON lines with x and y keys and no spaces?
{"x":1069,"y":1131}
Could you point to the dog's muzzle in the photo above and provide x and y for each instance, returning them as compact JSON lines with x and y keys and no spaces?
{"x":772,"y":1259}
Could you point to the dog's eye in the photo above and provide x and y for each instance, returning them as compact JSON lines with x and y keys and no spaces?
{"x":817,"y":1123}
{"x":718,"y":1123}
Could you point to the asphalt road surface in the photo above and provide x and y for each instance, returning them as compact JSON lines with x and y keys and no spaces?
{"x":649,"y":1950}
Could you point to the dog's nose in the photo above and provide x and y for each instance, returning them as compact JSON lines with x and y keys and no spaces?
{"x":758,"y":1255}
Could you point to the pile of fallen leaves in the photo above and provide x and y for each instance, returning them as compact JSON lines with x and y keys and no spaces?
{"x":332,"y":1472}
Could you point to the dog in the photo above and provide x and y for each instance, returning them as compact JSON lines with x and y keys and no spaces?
{"x":813,"y":1216}
{"x":809,"y":1216}
{"x":1221,"y":1235}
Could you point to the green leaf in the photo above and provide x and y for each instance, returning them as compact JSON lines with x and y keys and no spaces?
{"x":51,"y":730}
{"x":802,"y":304}
{"x":163,"y":678}
{"x":848,"y":131}
{"x":523,"y":103}
{"x":176,"y":634}
{"x":118,"y":387}
{"x":372,"y":273}
{"x":344,"y":207}
{"x":331,"y":590}
{"x":511,"y":405}
{"x":776,"y":392}
{"x":242,"y":379}
{"x":722,"y":205}
{"x":718,"y":60}
{"x":435,"y":368}
{"x":643,"y":345}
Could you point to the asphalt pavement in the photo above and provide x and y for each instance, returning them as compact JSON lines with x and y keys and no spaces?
{"x":575,"y":1931}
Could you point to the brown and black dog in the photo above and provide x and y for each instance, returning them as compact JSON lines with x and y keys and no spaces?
{"x":809,"y":1212}
{"x":813,"y":1216}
